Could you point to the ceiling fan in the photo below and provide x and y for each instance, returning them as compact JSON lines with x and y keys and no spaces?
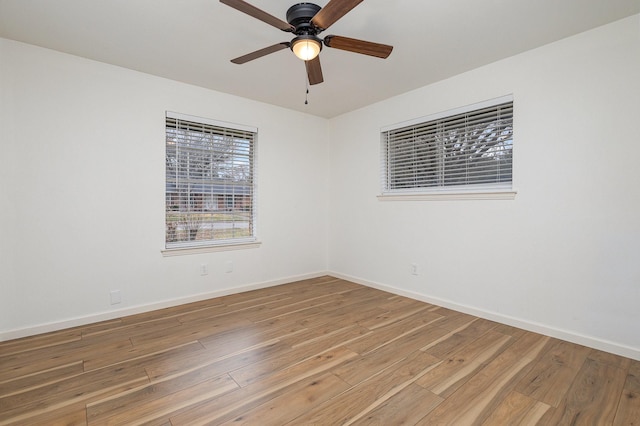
{"x":306,"y":21}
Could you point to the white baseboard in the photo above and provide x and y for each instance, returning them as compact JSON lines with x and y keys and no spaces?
{"x":569,"y":336}
{"x":105,"y":316}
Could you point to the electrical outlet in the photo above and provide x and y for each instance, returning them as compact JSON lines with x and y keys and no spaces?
{"x":115,"y":297}
{"x":204,"y":269}
{"x":414,"y":269}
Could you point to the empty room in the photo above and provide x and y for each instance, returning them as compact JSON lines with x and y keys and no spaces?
{"x":345,"y":212}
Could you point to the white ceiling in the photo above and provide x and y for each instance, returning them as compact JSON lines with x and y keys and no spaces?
{"x":193,"y":40}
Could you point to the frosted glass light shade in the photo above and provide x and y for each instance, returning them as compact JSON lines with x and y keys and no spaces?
{"x":306,"y":48}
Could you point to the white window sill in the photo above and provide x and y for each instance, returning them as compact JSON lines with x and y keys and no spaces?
{"x":181,"y":251}
{"x":444,"y":196}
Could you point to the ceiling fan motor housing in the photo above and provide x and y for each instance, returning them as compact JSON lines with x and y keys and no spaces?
{"x":299,"y":15}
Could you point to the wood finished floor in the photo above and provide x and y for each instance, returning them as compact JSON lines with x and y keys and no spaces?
{"x":316,"y":352}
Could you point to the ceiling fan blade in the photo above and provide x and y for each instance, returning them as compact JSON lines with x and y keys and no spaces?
{"x":358,"y":46}
{"x":314,"y":71}
{"x":260,"y":53}
{"x":251,"y":10}
{"x":333,"y":11}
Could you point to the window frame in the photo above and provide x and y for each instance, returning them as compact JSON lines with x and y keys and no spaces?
{"x":485,"y":191}
{"x":182,"y":247}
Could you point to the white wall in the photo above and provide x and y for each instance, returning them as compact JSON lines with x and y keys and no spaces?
{"x":7,"y":200}
{"x":562,"y":258}
{"x":82,"y":196}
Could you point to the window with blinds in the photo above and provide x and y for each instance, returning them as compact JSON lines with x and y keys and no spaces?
{"x":210,"y":184}
{"x":470,"y":149}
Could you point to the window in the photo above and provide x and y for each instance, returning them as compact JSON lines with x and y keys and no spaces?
{"x":464,"y":151}
{"x":210,"y":183}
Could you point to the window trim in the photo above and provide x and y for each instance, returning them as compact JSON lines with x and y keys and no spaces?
{"x":445,"y":196}
{"x":209,"y":246}
{"x":495,"y":191}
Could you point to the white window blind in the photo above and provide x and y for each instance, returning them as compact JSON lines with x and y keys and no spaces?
{"x":210,"y":187}
{"x":459,"y":151}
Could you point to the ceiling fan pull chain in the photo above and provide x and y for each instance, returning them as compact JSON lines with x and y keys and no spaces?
{"x":306,"y":96}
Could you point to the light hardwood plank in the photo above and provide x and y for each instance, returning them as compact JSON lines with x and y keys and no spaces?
{"x":475,"y":401}
{"x":299,"y":398}
{"x":40,"y":378}
{"x":593,"y":397}
{"x":365,"y":366}
{"x":147,"y":394}
{"x":85,"y":388}
{"x":369,"y":394}
{"x":327,"y":332}
{"x":269,"y":365}
{"x":388,"y":334}
{"x":167,"y":365}
{"x":517,"y":409}
{"x":633,"y":377}
{"x":552,"y":375}
{"x":68,"y":415}
{"x":391,"y":317}
{"x":628,"y":413}
{"x":460,"y":338}
{"x":161,"y":408}
{"x":29,"y":362}
{"x":238,"y":402}
{"x":30,"y":344}
{"x":453,"y":321}
{"x":407,"y":407}
{"x":460,"y":367}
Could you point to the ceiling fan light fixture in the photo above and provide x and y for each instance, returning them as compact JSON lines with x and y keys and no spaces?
{"x":306,"y":47}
